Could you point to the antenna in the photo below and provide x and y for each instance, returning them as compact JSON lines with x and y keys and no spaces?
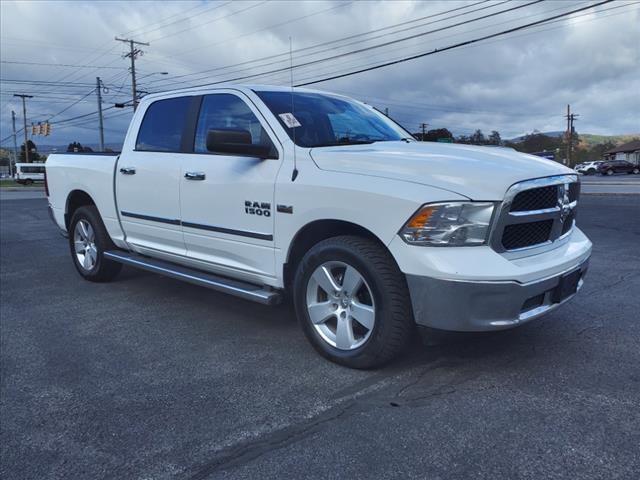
{"x":294,"y":174}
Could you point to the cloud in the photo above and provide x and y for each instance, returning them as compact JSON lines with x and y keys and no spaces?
{"x":511,"y":84}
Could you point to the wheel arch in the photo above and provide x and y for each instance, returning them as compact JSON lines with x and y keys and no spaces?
{"x":75,"y":200}
{"x":316,"y":231}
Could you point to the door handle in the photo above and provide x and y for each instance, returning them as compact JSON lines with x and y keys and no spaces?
{"x":194,"y":176}
{"x":128,"y":171}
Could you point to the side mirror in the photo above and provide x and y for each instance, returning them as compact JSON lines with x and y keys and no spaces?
{"x":236,"y":142}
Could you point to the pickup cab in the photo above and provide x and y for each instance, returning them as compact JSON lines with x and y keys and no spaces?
{"x":269,"y":193}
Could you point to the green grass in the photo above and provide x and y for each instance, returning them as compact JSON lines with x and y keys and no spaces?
{"x":7,"y":182}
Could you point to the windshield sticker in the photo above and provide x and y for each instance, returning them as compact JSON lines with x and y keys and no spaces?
{"x":289,"y":120}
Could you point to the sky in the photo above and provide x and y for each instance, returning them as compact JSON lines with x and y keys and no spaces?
{"x":514,"y":83}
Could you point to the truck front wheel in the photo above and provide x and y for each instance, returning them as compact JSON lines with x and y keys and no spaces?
{"x":353,"y":302}
{"x":88,"y":240}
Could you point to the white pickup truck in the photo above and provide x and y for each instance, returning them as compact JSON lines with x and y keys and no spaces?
{"x":263,"y":191}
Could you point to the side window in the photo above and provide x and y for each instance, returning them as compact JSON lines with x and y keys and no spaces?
{"x":223,"y":111}
{"x":162,"y":125}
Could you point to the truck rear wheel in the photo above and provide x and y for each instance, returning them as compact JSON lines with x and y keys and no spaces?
{"x":352,"y":302}
{"x":88,"y":240}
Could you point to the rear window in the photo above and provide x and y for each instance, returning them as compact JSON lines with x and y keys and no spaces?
{"x":162,"y":125}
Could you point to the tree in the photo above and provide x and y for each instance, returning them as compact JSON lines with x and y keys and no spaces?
{"x":536,"y":142}
{"x":33,"y":153}
{"x":435,"y":135}
{"x":478,"y":138}
{"x":494,"y":138}
{"x":77,"y":147}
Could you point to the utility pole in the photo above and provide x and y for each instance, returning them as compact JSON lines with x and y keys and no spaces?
{"x":424,"y":126}
{"x":15,"y":144}
{"x":133,"y":53}
{"x":386,"y":111}
{"x":101,"y":124}
{"x":571,"y":117}
{"x":24,"y":119}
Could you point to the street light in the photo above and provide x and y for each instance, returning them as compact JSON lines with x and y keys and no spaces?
{"x":127,"y":104}
{"x":154,"y":73}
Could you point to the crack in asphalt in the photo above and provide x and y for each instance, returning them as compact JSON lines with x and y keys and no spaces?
{"x":245,"y":452}
{"x":363,"y":401}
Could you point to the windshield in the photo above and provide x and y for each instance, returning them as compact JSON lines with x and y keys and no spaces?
{"x":318,"y":120}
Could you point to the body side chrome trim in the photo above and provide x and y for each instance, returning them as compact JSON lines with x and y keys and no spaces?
{"x":230,"y":231}
{"x":150,"y":218}
{"x":200,"y":226}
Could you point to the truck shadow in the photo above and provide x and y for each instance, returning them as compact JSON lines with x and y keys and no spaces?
{"x":195,"y":305}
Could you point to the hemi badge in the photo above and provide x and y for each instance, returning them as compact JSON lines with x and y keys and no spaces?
{"x":285,"y":208}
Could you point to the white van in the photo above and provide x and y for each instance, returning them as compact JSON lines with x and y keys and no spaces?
{"x":27,"y":173}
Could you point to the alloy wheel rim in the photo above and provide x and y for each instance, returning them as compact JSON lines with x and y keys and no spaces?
{"x":84,"y":244}
{"x":340,"y":305}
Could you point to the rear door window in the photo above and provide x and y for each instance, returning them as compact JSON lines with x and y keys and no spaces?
{"x":163,"y":124}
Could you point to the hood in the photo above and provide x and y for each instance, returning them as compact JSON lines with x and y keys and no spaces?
{"x":480,"y":173}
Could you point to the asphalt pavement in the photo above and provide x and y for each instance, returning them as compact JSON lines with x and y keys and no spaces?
{"x":615,"y":184}
{"x":150,"y":378}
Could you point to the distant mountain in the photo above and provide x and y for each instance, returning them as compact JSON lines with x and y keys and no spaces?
{"x":548,"y":134}
{"x":588,"y":139}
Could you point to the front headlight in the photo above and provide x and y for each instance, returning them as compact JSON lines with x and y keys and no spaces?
{"x":449,"y":224}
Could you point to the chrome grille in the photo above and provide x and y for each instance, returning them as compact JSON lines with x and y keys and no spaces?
{"x":521,"y":235}
{"x":536,"y":214}
{"x":535,"y":199}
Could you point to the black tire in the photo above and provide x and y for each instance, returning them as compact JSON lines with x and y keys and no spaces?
{"x":591,"y":171}
{"x":28,"y":182}
{"x":394,"y":321}
{"x":610,"y":172}
{"x":636,"y":171}
{"x":103,"y":270}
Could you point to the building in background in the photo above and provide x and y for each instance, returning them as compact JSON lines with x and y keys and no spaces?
{"x":629,"y":151}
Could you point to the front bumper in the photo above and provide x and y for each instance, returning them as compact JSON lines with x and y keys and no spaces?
{"x":471,"y":306}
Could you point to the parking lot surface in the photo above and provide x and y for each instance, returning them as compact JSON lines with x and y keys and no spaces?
{"x":149,"y":378}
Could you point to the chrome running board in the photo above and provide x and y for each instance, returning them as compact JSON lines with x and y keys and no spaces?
{"x":237,"y":288}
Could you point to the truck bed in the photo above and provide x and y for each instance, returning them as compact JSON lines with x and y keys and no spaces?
{"x":89,"y":172}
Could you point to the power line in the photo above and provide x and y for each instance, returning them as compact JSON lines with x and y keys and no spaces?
{"x":334,"y":42}
{"x":208,"y":22}
{"x":142,"y":31}
{"x":44,"y":82}
{"x":269,"y":27}
{"x":373,"y":47}
{"x":40,"y":64}
{"x":457,"y":45}
{"x":466,"y":31}
{"x":70,"y":106}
